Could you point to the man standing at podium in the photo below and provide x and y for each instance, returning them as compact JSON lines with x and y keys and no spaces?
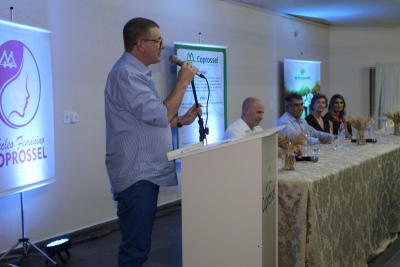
{"x":248,"y":123}
{"x":138,"y":136}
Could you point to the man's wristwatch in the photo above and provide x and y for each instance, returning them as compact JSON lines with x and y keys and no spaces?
{"x":178,"y":122}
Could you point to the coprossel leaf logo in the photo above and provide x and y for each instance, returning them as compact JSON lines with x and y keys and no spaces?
{"x":20,"y":85}
{"x":190,"y":57}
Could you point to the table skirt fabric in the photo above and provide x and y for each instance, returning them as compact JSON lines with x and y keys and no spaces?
{"x":341,"y":210}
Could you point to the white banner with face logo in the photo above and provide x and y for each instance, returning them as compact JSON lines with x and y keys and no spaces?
{"x":26,"y":108}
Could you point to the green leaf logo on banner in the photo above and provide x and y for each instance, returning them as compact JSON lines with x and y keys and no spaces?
{"x":190,"y":57}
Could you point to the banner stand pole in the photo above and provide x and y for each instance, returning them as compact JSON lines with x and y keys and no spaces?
{"x":25,"y":241}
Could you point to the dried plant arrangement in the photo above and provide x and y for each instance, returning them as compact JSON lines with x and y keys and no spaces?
{"x":359,"y":123}
{"x":395,"y":117}
{"x":288,"y":147}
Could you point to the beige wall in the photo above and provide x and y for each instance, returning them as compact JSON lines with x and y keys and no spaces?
{"x":352,"y":52}
{"x":86,"y":41}
{"x":304,"y":41}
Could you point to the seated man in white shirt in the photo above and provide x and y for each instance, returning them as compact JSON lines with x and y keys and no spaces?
{"x":295,"y":125}
{"x":248,"y":123}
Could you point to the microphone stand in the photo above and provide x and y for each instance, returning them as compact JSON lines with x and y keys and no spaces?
{"x":25,"y":241}
{"x":202,"y":131}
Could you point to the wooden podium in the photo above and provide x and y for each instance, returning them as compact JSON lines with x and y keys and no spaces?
{"x":229,"y":202}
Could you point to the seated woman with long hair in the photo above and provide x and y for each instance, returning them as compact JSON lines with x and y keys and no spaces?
{"x":315,"y":119}
{"x":336,"y":113}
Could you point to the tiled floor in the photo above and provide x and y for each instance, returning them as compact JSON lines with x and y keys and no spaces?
{"x":102,"y":252}
{"x":166,"y":248}
{"x":389,"y":258}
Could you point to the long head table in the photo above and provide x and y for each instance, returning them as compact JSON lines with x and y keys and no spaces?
{"x":343,"y":209}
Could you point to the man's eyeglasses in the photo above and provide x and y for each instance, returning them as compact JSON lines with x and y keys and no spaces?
{"x":297,"y":105}
{"x":159,"y":40}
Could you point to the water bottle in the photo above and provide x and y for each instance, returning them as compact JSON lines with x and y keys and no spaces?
{"x":341,"y":135}
{"x":306,"y":146}
{"x":370,"y":130}
{"x":383,"y":125}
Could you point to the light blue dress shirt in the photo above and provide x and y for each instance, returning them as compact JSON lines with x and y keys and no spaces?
{"x":297,"y":126}
{"x":138,"y":135}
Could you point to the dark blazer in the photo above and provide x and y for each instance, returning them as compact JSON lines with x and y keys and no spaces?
{"x":312,"y":121}
{"x":336,"y":124}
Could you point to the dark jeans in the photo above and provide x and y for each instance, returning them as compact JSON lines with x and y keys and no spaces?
{"x":137,"y":207}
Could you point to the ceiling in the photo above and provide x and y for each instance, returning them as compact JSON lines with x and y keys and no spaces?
{"x":358,"y":13}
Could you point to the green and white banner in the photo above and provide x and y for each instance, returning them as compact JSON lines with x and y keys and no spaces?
{"x":211,"y":62}
{"x":302,"y":77}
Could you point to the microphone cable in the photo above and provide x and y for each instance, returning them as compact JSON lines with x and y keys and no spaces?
{"x":208,"y":98}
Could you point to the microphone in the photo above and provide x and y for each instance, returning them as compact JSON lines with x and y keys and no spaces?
{"x":307,"y":158}
{"x":175,"y":60}
{"x":368,"y":140}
